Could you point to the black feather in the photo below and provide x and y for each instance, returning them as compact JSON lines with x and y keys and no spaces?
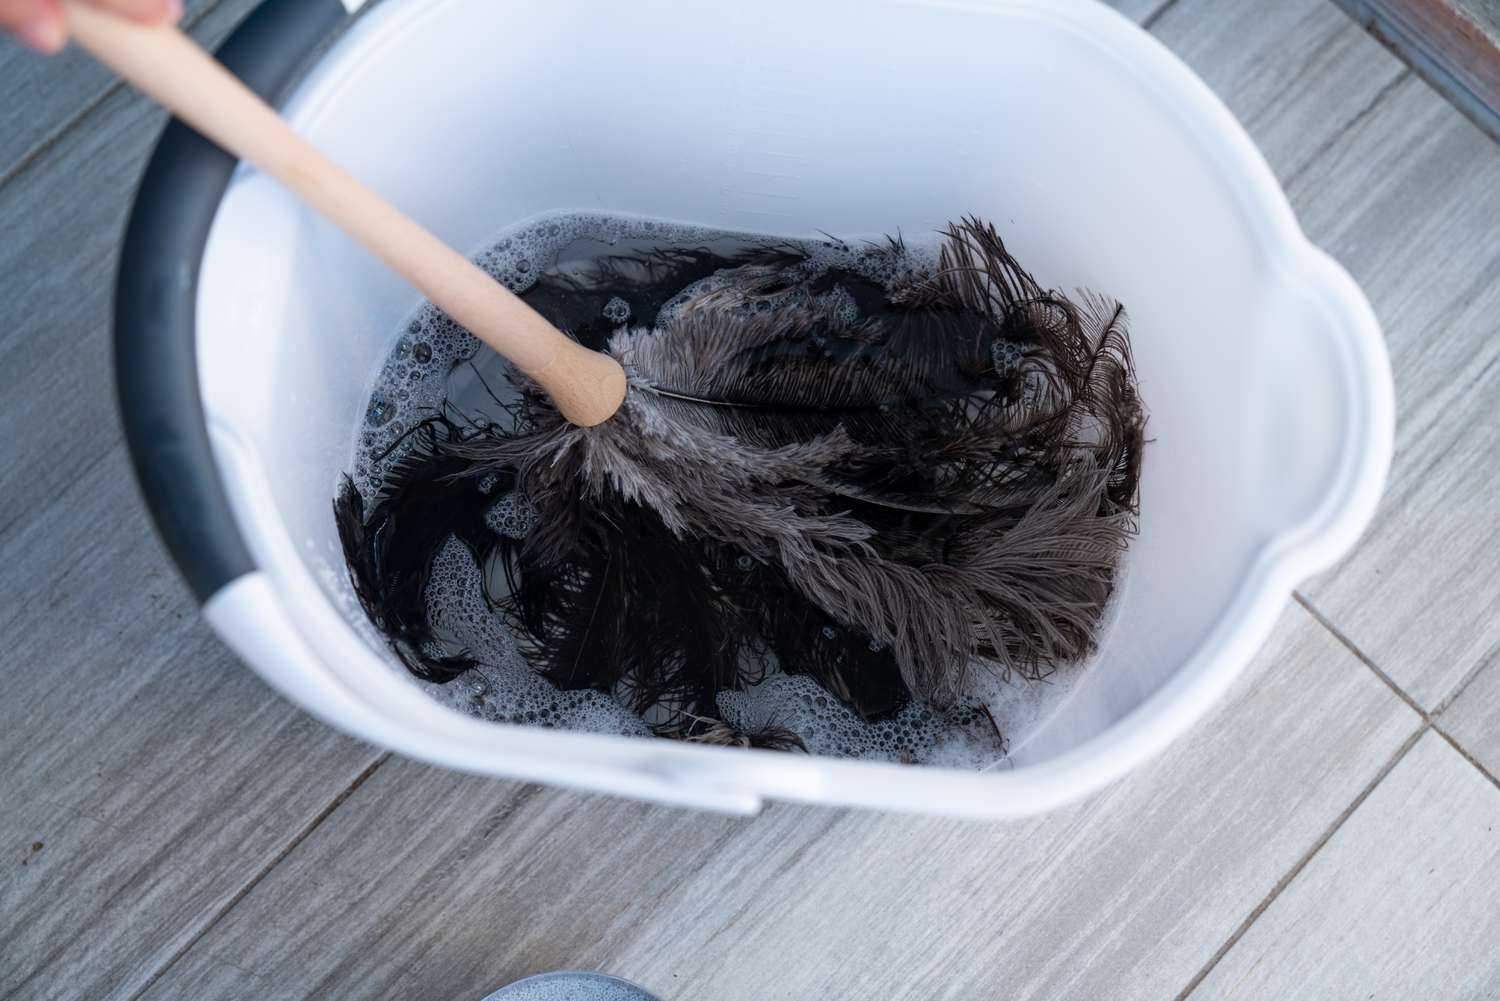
{"x":390,"y":548}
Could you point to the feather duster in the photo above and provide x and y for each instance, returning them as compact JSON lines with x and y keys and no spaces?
{"x":880,"y":500}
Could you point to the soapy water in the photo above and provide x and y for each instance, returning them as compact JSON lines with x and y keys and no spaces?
{"x":436,"y":364}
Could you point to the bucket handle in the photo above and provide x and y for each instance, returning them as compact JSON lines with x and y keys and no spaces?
{"x":156,"y":293}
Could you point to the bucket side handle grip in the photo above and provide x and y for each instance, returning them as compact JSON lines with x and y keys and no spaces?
{"x":1324,"y":386}
{"x":156,"y":293}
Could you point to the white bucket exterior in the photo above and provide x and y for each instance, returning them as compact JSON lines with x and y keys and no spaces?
{"x":1104,"y":162}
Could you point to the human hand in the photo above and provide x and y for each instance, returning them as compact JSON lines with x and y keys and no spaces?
{"x":41,"y":24}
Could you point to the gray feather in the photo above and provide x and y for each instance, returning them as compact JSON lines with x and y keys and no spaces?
{"x":778,"y":433}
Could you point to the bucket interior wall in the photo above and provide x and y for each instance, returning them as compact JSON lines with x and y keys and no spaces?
{"x":780,"y":117}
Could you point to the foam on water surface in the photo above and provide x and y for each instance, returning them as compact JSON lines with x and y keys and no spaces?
{"x":435,"y":363}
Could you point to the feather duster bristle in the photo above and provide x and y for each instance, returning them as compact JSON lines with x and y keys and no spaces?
{"x":951,"y":477}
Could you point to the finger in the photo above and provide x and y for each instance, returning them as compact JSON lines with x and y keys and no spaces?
{"x":14,"y":13}
{"x":147,"y":11}
{"x":38,"y":24}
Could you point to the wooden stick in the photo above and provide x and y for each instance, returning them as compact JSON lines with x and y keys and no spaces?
{"x":588,"y":387}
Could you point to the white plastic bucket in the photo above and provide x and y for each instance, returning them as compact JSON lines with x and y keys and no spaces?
{"x":1104,"y":162}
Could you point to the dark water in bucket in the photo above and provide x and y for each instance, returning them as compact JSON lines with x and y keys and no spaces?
{"x":590,"y":275}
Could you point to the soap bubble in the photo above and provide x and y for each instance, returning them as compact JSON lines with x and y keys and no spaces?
{"x":617,"y":310}
{"x":512,"y":515}
{"x":380,"y":411}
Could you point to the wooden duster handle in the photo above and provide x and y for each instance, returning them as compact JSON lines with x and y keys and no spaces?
{"x":588,"y":387}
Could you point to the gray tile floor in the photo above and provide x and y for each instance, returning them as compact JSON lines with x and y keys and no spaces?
{"x":170,"y":828}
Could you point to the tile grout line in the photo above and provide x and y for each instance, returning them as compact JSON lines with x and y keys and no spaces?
{"x":51,"y":139}
{"x":1360,"y":655}
{"x":1303,"y":862}
{"x":1430,"y":718}
{"x":1463,"y":753}
{"x":261,"y":874}
{"x":1149,"y":21}
{"x":1485,"y":660}
{"x":1349,"y":126}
